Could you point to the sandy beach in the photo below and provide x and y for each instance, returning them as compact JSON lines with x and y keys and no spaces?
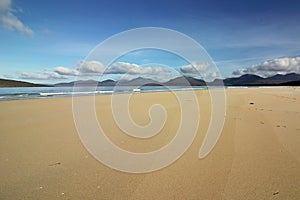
{"x":256,"y":157}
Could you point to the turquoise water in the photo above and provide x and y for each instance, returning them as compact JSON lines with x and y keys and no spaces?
{"x":19,"y":93}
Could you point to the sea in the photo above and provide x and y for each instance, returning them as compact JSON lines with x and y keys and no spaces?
{"x":23,"y":93}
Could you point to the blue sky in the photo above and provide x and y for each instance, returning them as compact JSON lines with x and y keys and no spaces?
{"x":36,"y":37}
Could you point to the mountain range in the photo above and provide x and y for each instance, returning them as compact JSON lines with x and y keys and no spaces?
{"x":291,"y":79}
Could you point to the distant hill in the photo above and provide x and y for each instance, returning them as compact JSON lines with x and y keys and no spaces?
{"x":81,"y":83}
{"x":13,"y":83}
{"x":108,"y":82}
{"x":247,"y":79}
{"x":185,"y":81}
{"x":138,"y":82}
{"x":254,"y":80}
{"x":279,"y":78}
{"x":291,"y":79}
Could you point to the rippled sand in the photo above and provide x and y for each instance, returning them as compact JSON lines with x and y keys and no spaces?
{"x":256,"y":157}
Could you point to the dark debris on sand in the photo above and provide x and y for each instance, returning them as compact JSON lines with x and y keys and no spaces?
{"x":53,"y":164}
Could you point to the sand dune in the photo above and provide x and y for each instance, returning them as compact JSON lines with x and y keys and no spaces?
{"x":256,"y":157}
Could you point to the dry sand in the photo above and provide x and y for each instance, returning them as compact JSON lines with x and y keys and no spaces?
{"x":256,"y":157}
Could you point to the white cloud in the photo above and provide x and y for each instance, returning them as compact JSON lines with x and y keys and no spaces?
{"x":95,"y":68}
{"x":212,"y":76}
{"x":84,"y":68}
{"x":130,"y":71}
{"x":90,"y":67}
{"x":66,"y":71}
{"x":239,"y":72}
{"x":124,"y":68}
{"x":272,"y":67}
{"x":201,"y":70}
{"x":42,"y":76}
{"x":9,"y":21}
{"x":195,"y":68}
{"x":134,"y":69}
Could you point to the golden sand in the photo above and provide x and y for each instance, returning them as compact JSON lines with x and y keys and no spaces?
{"x":256,"y":157}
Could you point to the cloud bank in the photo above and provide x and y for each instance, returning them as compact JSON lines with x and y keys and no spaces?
{"x":156,"y":72}
{"x":134,"y":69}
{"x":9,"y":21}
{"x":194,"y":68}
{"x":200,"y":70}
{"x":42,"y":76}
{"x":84,"y":68}
{"x":95,"y":68}
{"x":125,"y":70}
{"x":272,"y":67}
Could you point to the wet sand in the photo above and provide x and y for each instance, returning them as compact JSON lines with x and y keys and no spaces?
{"x":257,"y":155}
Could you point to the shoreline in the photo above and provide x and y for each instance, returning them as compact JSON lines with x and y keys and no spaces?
{"x":43,"y":95}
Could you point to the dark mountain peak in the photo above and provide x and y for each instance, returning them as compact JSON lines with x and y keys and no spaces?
{"x":139,"y":81}
{"x":247,"y":76}
{"x":282,"y":78}
{"x":89,"y":82}
{"x":246,"y":79}
{"x":185,"y":81}
{"x":108,"y":82}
